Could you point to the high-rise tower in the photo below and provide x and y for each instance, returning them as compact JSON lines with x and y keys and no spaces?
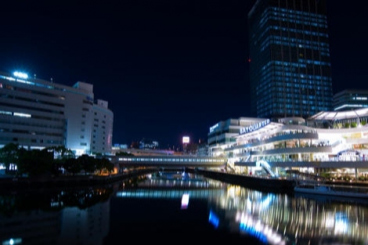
{"x":290,"y":69}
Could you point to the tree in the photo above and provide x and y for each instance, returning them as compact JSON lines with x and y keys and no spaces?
{"x":60,"y":154}
{"x":87,"y":163}
{"x":35,"y":162}
{"x":72,"y":166}
{"x":104,"y":164}
{"x":9,"y":155}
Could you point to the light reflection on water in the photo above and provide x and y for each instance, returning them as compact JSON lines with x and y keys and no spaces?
{"x":171,"y":206}
{"x":299,"y":219}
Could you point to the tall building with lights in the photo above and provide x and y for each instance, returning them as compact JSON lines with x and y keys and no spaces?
{"x":290,"y":70}
{"x":35,"y":114}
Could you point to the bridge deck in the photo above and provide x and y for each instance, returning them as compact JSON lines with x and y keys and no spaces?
{"x":172,"y":161}
{"x":195,"y":161}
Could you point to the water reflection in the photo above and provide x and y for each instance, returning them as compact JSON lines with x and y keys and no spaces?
{"x":282,"y":219}
{"x":55,"y":217}
{"x":171,"y":205}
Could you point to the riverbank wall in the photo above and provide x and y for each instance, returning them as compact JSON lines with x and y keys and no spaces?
{"x":276,"y":185}
{"x":68,"y":181}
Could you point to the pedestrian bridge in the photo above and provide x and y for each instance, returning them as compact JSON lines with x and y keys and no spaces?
{"x":169,"y":161}
{"x":181,"y":161}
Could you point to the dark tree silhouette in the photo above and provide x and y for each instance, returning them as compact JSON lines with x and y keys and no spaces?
{"x":35,"y":162}
{"x":9,"y":155}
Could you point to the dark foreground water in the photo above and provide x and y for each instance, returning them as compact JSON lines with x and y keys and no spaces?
{"x":170,"y":208}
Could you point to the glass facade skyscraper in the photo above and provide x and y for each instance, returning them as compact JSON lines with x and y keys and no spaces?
{"x":290,"y":69}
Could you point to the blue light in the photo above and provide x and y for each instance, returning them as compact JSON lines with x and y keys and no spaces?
{"x":20,"y":74}
{"x":213,"y":219}
{"x":253,"y":232}
{"x":13,"y":241}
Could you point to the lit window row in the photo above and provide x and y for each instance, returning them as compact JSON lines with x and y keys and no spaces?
{"x":12,"y":79}
{"x":299,"y":14}
{"x":16,"y":114}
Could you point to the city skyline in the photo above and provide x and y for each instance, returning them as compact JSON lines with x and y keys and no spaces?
{"x":168,"y":69}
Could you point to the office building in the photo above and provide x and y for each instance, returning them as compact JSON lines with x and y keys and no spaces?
{"x":35,"y":114}
{"x":290,"y":70}
{"x":350,"y":99}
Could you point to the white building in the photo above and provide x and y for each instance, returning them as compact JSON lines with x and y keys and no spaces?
{"x":324,"y":142}
{"x":35,"y":113}
{"x":223,"y":134}
{"x":102,"y":128}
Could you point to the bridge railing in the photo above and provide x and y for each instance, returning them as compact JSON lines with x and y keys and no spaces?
{"x":170,"y":159}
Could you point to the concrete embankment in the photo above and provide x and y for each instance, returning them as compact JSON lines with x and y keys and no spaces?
{"x":277,"y":185}
{"x":67,"y":181}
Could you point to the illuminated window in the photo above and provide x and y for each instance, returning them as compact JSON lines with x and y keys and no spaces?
{"x":5,"y":112}
{"x":18,"y":114}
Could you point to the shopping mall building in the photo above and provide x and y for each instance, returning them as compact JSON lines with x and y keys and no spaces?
{"x":335,"y":142}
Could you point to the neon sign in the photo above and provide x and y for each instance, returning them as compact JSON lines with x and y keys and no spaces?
{"x":254,"y":127}
{"x":213,"y":127}
{"x":186,"y":140}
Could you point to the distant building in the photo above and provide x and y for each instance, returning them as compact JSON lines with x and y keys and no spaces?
{"x":35,"y":114}
{"x":290,"y":70}
{"x":123,"y":148}
{"x":148,"y":144}
{"x":350,"y":99}
{"x":202,"y":150}
{"x":120,"y":146}
{"x":144,"y":152}
{"x":102,"y":128}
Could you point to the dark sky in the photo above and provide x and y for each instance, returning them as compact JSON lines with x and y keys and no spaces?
{"x":168,"y":68}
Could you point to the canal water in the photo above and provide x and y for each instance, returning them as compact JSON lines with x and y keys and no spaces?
{"x":177,"y":208}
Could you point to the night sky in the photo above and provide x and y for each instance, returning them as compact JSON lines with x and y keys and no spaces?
{"x":168,"y":68}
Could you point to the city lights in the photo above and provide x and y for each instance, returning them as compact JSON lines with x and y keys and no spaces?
{"x":186,"y":140}
{"x":20,"y":74}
